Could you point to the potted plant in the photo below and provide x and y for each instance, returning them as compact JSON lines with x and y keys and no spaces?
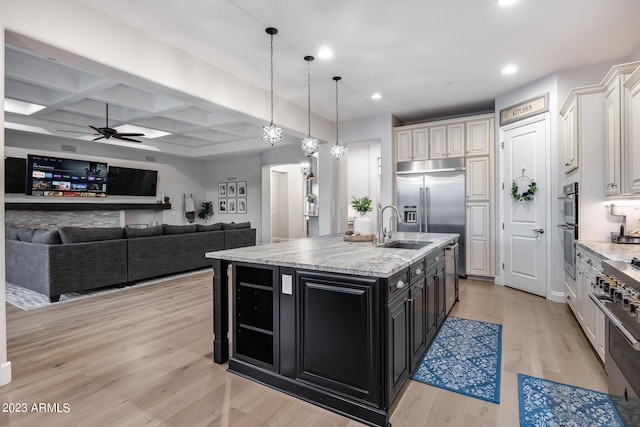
{"x":311,"y":203}
{"x":206,"y":211}
{"x":362,"y":223}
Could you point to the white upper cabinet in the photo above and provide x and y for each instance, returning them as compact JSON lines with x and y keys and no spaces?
{"x":478,"y":178}
{"x":446,"y":141}
{"x":632,"y":130}
{"x":618,"y":167}
{"x":420,"y":144}
{"x":403,"y":145}
{"x":569,"y":125}
{"x":479,"y":137}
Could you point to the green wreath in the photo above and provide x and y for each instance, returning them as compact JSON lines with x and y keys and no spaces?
{"x":526,"y":196}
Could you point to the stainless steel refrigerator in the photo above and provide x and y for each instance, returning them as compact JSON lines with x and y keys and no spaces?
{"x":431,"y":197}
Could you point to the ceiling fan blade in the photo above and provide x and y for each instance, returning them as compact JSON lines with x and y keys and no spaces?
{"x":122,"y":138}
{"x":96,"y":129}
{"x":130,"y":134}
{"x":71,"y":131}
{"x":96,"y":139}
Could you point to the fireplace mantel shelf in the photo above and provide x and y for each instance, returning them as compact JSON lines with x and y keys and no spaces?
{"x":70,"y":206}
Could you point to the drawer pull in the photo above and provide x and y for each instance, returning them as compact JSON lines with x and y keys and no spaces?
{"x":400,"y":284}
{"x":419,"y":271}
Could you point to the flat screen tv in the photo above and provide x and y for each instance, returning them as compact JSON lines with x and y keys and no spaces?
{"x":15,"y":175}
{"x":54,"y":176}
{"x":132,"y":182}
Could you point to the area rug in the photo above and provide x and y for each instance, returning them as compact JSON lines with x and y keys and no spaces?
{"x":465,"y":358}
{"x":548,"y":403}
{"x":26,"y":299}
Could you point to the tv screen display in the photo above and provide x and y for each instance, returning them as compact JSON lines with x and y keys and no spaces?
{"x":132,"y":182}
{"x":15,"y":175}
{"x":54,"y":176}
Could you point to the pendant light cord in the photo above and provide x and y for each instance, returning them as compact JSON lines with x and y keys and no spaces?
{"x":309,"y":92}
{"x":336,"y":79}
{"x":271,"y":79}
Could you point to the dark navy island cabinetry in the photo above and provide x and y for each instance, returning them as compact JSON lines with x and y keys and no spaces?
{"x":344,"y":341}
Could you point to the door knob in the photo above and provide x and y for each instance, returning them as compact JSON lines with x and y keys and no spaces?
{"x":539,"y":230}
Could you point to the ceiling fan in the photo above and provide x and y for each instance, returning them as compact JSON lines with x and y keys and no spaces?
{"x":107,"y":133}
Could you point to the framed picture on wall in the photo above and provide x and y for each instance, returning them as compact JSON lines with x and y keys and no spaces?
{"x":222,"y":189}
{"x":231,"y":189}
{"x":242,"y":206}
{"x":222,"y":206}
{"x":242,"y":188}
{"x":232,"y":206}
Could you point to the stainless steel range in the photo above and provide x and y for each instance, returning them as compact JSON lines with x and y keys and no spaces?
{"x":618,"y":296}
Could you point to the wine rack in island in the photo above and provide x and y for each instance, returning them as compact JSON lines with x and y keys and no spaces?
{"x":255,"y":334}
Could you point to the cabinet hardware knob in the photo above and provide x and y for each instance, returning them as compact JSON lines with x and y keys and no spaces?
{"x":418,"y":271}
{"x":437,"y":258}
{"x":400,"y":284}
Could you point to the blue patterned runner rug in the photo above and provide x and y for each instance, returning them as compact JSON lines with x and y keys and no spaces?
{"x":465,"y":358}
{"x":548,"y":403}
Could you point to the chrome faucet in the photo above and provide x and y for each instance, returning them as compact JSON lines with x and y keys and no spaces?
{"x":382,"y":232}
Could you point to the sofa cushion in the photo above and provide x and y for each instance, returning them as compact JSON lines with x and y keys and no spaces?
{"x":47,"y":237}
{"x":211,"y":227}
{"x":131,"y":232}
{"x":234,"y":226}
{"x":89,"y":234}
{"x":12,"y":233}
{"x":26,"y":234}
{"x":179,"y":229}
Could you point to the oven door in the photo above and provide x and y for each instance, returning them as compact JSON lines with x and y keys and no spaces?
{"x":569,"y":244}
{"x":570,"y":209}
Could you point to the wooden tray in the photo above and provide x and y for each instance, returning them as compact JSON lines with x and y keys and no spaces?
{"x":359,"y":238}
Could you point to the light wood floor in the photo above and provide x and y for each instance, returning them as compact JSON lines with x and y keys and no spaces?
{"x":143,"y":357}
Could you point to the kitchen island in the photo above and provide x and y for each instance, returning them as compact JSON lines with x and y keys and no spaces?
{"x":339,"y":324}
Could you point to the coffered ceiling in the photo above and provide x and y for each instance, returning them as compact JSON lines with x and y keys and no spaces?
{"x":426,"y":58}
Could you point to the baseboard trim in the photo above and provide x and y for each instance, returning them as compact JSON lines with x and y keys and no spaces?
{"x":558,"y":297}
{"x":5,"y":373}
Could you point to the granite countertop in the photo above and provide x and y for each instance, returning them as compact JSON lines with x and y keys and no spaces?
{"x":611,"y":251}
{"x":331,"y":253}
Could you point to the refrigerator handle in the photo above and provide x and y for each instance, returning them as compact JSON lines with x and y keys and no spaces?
{"x":420,"y":209}
{"x":426,"y":207}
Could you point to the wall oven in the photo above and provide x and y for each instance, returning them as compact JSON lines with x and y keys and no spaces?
{"x":570,"y":227}
{"x":618,"y":296}
{"x":570,"y":203}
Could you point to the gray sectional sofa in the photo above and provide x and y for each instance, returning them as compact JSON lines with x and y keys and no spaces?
{"x":53,"y":262}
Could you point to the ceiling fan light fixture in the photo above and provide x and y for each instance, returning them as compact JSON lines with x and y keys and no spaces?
{"x":272,"y":133}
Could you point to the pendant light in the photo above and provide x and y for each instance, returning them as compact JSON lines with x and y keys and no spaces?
{"x":272,"y":133}
{"x":337,"y":149}
{"x":309,"y":144}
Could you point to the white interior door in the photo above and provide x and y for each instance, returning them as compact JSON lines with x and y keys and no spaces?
{"x":525,"y":222}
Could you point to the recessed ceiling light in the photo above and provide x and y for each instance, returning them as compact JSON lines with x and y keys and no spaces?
{"x":376,"y":96}
{"x":509,"y":69}
{"x":21,"y":107}
{"x":325,"y":52}
{"x":506,"y":2}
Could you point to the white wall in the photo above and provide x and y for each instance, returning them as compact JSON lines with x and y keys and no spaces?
{"x":5,"y":365}
{"x":245,"y":168}
{"x":362,"y":177}
{"x":176,"y":175}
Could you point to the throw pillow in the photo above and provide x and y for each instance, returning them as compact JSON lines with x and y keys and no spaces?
{"x":179,"y":229}
{"x":234,"y":226}
{"x":26,"y":234}
{"x":130,"y":232}
{"x":46,"y":237}
{"x":89,"y":234}
{"x":211,"y":227}
{"x":12,"y":233}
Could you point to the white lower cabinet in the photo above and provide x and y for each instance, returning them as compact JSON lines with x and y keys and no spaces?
{"x":590,"y":317}
{"x":478,"y":242}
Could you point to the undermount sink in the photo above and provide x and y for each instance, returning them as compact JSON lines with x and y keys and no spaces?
{"x":405,"y":244}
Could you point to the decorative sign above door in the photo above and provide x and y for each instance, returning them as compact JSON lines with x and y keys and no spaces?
{"x":528,"y":108}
